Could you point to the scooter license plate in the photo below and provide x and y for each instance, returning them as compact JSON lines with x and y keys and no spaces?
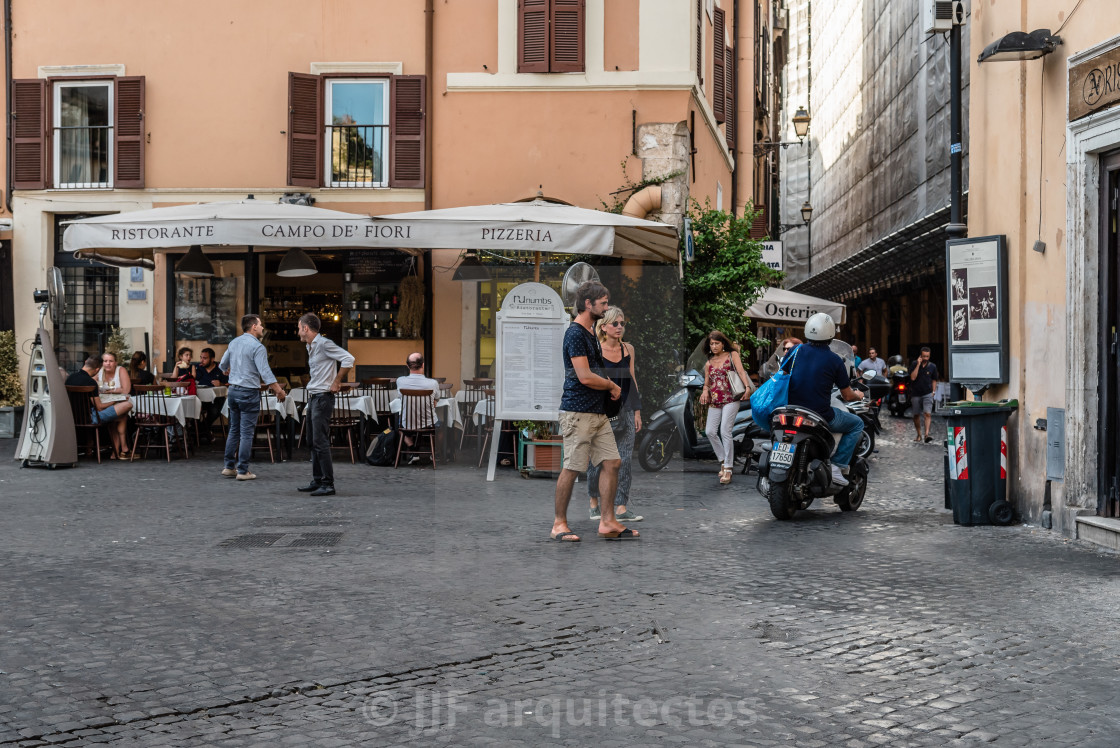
{"x":782,"y":454}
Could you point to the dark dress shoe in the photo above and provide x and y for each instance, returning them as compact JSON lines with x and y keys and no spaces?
{"x":323,"y":491}
{"x":308,"y":488}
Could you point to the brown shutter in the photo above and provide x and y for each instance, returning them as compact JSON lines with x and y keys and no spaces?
{"x":719,"y":85}
{"x":128,"y":133}
{"x":700,"y":41}
{"x":532,"y":36}
{"x":406,"y":147}
{"x":29,"y":134}
{"x":730,"y":96}
{"x":305,"y":130}
{"x":566,"y":48}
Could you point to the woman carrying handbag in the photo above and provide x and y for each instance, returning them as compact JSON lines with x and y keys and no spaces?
{"x":725,"y":383}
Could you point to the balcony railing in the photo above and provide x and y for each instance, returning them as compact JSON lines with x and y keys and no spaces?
{"x":83,"y":156}
{"x":358,"y":155}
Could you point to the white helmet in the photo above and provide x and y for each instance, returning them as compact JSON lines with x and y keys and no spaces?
{"x":820,"y":327}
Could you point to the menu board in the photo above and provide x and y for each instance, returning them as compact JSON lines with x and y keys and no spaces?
{"x":378,"y":265}
{"x":529,"y":371}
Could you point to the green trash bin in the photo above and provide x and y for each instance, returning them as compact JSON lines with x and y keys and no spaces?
{"x":977,"y":444}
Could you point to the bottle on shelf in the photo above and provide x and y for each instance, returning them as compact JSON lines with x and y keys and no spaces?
{"x":394,"y":298}
{"x":377,"y":297}
{"x":392,"y":325}
{"x":376,"y":325}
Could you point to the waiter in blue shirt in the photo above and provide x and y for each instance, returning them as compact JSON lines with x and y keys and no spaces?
{"x":246,"y":362}
{"x":329,"y":365}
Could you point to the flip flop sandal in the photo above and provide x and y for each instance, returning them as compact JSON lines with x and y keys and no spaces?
{"x":624,"y":534}
{"x":563,"y":537}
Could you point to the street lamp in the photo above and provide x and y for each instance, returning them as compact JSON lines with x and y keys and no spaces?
{"x":801,"y":121}
{"x":806,"y":216}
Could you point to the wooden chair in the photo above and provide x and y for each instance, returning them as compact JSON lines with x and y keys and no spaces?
{"x":417,"y":420}
{"x":150,"y":417}
{"x":381,"y":390}
{"x":81,"y":405}
{"x":346,"y":418}
{"x":473,"y":392}
{"x":488,"y":428}
{"x":266,"y":421}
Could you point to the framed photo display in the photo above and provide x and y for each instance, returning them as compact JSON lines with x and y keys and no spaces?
{"x":976,"y":279}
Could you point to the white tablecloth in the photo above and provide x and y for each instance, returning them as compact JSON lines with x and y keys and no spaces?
{"x":181,"y":407}
{"x":286,"y":409}
{"x":446,"y":410}
{"x":210,"y":394}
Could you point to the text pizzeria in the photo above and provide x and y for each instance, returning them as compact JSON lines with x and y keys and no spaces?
{"x":517,"y":235}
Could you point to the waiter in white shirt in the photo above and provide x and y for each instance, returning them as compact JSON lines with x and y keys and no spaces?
{"x":328,"y":365}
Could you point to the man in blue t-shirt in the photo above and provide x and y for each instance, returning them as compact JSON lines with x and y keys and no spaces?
{"x":588,"y":437}
{"x":815,"y":370}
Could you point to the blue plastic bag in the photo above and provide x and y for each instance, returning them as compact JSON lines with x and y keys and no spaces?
{"x":773,"y":394}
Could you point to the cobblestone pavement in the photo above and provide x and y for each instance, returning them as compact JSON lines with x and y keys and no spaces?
{"x":151,"y":604}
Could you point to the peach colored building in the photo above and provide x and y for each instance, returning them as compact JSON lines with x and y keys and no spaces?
{"x":368,"y":106}
{"x":1045,"y":173}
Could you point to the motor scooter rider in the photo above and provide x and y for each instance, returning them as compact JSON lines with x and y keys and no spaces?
{"x":816,"y":369}
{"x":895,"y":365}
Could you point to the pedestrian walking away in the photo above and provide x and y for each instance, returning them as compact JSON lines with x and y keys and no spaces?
{"x":246,"y":363}
{"x":328,"y":365}
{"x":618,"y":357}
{"x":583,"y":421}
{"x":923,"y":382}
{"x":723,"y":405}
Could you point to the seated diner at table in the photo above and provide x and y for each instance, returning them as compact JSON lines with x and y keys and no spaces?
{"x":415,"y":380}
{"x":138,"y":370}
{"x":110,"y":403}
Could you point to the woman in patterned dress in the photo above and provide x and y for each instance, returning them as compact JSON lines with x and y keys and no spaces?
{"x":722,"y":406}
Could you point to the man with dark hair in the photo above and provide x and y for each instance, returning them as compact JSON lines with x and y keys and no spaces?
{"x":209,"y":374}
{"x":246,"y":362}
{"x":923,"y":382}
{"x":328,"y":365}
{"x":102,"y":413}
{"x":588,"y":436}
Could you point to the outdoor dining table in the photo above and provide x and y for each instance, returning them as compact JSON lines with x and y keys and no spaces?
{"x":286,"y":412}
{"x":210,"y":394}
{"x":180,"y":407}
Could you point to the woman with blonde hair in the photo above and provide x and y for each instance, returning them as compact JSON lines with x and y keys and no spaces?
{"x":723,"y":359}
{"x":618,"y":359}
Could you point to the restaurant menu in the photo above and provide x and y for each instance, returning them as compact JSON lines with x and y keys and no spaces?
{"x":530,"y":366}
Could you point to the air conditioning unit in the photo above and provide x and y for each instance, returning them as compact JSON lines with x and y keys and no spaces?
{"x":940,"y":15}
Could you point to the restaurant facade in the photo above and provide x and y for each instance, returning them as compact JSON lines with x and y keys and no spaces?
{"x":375,"y":108}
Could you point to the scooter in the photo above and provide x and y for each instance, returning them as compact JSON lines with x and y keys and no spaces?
{"x":899,"y":398}
{"x":661,"y":436}
{"x":795,"y":465}
{"x":877,"y":388}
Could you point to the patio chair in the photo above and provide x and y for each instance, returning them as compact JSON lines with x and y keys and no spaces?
{"x":417,"y":420}
{"x":380,"y":389}
{"x":473,"y":392}
{"x":150,"y":416}
{"x":81,"y":405}
{"x":345,"y":418}
{"x":266,"y":421}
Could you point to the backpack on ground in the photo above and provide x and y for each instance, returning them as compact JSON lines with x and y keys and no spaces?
{"x":382,"y":450}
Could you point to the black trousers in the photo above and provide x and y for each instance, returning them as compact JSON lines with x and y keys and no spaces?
{"x":319,"y":409}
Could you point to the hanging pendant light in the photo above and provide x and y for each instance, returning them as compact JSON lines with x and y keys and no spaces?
{"x":296,"y":264}
{"x":194,"y":264}
{"x":471,"y":269}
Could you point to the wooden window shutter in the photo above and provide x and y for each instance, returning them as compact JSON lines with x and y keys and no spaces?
{"x":719,"y":85}
{"x":532,"y":36}
{"x":305,"y":130}
{"x":29,"y":134}
{"x":407,"y":98}
{"x":128,"y":132}
{"x":566,"y":47}
{"x":730,"y":96}
{"x":700,"y":41}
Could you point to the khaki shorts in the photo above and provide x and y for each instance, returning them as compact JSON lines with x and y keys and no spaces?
{"x":587,"y":437}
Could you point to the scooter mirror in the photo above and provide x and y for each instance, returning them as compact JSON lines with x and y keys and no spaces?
{"x":868,"y":375}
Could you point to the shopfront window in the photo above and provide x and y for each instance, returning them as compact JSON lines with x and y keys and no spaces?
{"x":491,"y":293}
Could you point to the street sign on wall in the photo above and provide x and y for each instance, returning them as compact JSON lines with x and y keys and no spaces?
{"x":772,"y":255}
{"x":976,"y":279}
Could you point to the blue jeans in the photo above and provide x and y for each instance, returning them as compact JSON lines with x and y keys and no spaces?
{"x":851,"y":426}
{"x":244,"y":406}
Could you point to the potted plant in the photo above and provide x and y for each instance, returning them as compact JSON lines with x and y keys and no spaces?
{"x":350,"y":325}
{"x":11,"y":386}
{"x":347,"y":274}
{"x":355,"y":299}
{"x":540,"y":457}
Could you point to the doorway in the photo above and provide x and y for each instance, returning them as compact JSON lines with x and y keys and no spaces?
{"x":1108,"y":501}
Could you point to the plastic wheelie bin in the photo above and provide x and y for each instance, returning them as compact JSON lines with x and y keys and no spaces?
{"x":977,"y":445}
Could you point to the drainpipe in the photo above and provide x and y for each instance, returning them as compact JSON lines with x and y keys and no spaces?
{"x":429,"y":34}
{"x":8,"y":98}
{"x":735,"y":103}
{"x":117,"y":262}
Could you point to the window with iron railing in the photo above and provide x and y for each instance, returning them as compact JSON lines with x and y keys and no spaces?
{"x":83,"y":134}
{"x":357,"y":138}
{"x":92,"y":304}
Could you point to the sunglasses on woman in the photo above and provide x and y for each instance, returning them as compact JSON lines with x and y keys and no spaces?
{"x":616,"y":324}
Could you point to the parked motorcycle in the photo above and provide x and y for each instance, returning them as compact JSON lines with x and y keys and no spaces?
{"x":795,"y":465}
{"x":672,"y":428}
{"x":877,"y":388}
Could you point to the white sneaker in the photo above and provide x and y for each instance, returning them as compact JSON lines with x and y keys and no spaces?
{"x":246,"y":476}
{"x":228,"y":472}
{"x":838,"y":477}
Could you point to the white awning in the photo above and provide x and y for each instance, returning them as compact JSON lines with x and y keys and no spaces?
{"x":793,"y":308}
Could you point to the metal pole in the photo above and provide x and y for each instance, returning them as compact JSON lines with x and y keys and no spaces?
{"x":956,"y":228}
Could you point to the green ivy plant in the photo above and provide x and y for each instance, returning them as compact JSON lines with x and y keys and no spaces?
{"x":11,"y":386}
